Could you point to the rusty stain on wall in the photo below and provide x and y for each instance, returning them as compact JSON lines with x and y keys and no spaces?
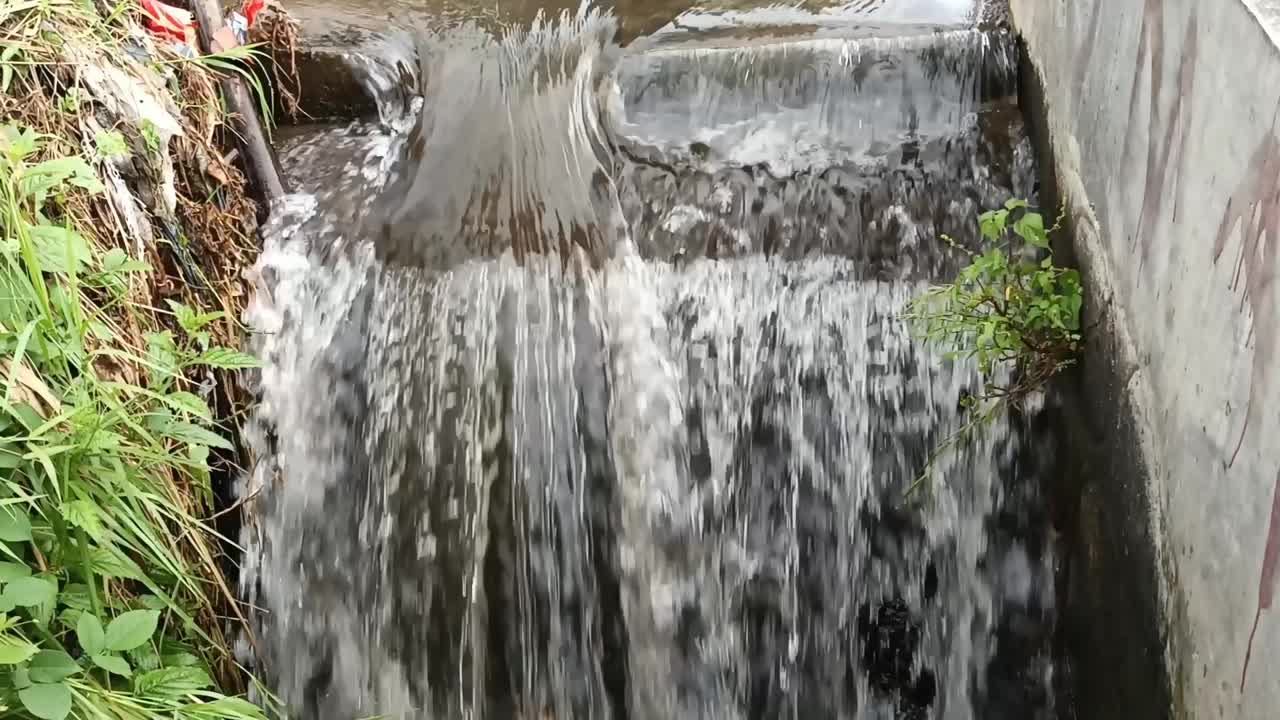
{"x":1267,"y":579}
{"x":1086,"y":50}
{"x":1166,"y":152}
{"x":1255,"y":207}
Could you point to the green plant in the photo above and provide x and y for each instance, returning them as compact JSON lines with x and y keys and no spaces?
{"x":1010,"y":307}
{"x":106,"y":567}
{"x":151,"y":136}
{"x":247,"y":61}
{"x":1011,"y":310}
{"x":111,"y":144}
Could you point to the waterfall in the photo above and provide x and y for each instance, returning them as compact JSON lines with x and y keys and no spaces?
{"x":586,"y":393}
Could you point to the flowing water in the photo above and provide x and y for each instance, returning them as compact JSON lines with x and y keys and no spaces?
{"x":586,"y":393}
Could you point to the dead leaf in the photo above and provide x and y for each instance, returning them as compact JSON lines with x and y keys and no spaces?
{"x":29,"y":388}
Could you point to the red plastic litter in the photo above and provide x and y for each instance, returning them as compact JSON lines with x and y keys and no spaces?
{"x":251,"y":9}
{"x":168,"y":21}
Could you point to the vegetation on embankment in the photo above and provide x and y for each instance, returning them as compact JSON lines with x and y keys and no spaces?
{"x":123,"y":231}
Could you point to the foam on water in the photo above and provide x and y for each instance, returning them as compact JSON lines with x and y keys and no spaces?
{"x":513,"y":461}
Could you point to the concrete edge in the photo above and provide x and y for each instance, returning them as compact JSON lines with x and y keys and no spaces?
{"x":1267,"y":13}
{"x":1116,"y":508}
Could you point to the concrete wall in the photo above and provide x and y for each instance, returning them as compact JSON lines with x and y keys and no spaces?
{"x":1162,"y":119}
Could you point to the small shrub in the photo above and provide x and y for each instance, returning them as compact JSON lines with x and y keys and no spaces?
{"x":1011,"y":309}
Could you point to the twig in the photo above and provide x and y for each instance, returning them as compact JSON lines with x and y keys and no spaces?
{"x":260,"y":161}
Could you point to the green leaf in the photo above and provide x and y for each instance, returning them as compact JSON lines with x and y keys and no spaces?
{"x":185,"y":316}
{"x":14,"y":650}
{"x":21,"y":143}
{"x":113,"y":664}
{"x":113,"y":259}
{"x":68,"y":616}
{"x":992,"y":224}
{"x":1014,"y":204}
{"x":110,"y":564}
{"x":59,"y":249}
{"x":145,"y":657}
{"x":52,"y":173}
{"x":171,"y":682}
{"x":9,"y":459}
{"x":111,"y":144}
{"x":189,"y":402}
{"x":162,"y":353}
{"x":116,"y":260}
{"x":15,"y":526}
{"x":31,"y":591}
{"x":6,"y":66}
{"x":49,"y":702}
{"x":152,"y":602}
{"x":151,"y":135}
{"x":84,"y":514}
{"x":192,"y":433}
{"x":13,"y":571}
{"x":180,"y":659}
{"x":189,"y":321}
{"x":75,"y":595}
{"x":131,"y":629}
{"x":227,"y":708}
{"x":51,"y":666}
{"x":1030,"y":227}
{"x":90,"y":635}
{"x":226,"y":359}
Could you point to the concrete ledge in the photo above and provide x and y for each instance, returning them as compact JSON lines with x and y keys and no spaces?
{"x":1108,"y":582}
{"x":1161,"y":122}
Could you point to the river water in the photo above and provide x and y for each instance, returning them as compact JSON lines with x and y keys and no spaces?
{"x":586,"y":393}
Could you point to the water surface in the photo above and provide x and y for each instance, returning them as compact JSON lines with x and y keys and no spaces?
{"x":587,"y":396}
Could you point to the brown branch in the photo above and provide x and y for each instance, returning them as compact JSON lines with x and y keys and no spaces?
{"x":260,"y":160}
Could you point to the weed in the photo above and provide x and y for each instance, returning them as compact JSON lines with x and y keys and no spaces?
{"x":1011,"y":310}
{"x":112,"y":600}
{"x":103,"y":473}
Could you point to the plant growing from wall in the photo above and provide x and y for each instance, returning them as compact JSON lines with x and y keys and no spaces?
{"x":1011,"y":310}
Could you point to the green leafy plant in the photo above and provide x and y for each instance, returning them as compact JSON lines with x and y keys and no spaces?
{"x":1010,"y":307}
{"x":246,"y":61}
{"x":105,"y":562}
{"x":1011,"y":310}
{"x":111,"y":144}
{"x":151,"y":136}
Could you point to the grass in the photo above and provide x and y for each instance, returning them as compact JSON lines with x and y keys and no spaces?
{"x":122,"y":235}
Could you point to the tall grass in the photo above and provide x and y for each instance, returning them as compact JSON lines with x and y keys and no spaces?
{"x":112,"y":601}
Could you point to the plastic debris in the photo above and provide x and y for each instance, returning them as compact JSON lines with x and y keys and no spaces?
{"x":239,"y":25}
{"x":168,"y":21}
{"x":236,"y":30}
{"x":251,"y":9}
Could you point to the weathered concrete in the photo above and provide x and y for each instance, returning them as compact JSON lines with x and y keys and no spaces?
{"x":1162,"y":119}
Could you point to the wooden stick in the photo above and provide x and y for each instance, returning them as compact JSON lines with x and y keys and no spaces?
{"x":260,"y":160}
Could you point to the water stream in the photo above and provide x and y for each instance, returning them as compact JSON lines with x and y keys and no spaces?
{"x":586,"y":393}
